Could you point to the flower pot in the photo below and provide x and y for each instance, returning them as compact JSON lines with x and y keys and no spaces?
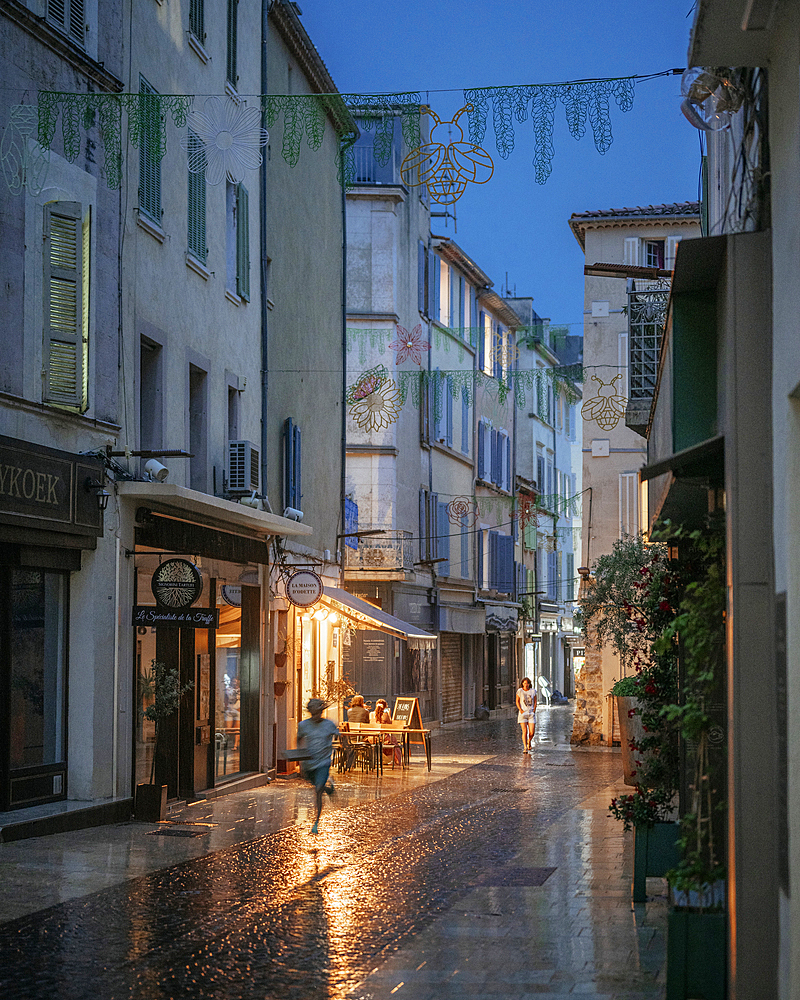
{"x":696,"y":955}
{"x":150,"y":804}
{"x":655,"y":851}
{"x":630,"y":728}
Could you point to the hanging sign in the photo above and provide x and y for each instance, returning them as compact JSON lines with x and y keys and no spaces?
{"x":177,"y":583}
{"x":231,"y":594}
{"x":147,"y":614}
{"x":304,"y":588}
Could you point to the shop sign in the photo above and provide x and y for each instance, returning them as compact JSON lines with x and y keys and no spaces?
{"x":304,"y":588}
{"x":548,"y":625}
{"x":566,"y":624}
{"x":176,"y":583}
{"x":146,"y":614}
{"x":232,"y":594}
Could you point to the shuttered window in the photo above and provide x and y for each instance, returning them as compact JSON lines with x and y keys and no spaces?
{"x":66,"y":290}
{"x":149,"y":163}
{"x":481,"y":451}
{"x":465,"y":537}
{"x":628,"y":504}
{"x":569,"y":589}
{"x":448,"y":389}
{"x":233,"y":30}
{"x":292,"y":465}
{"x":631,"y":250}
{"x":242,"y":243}
{"x":70,"y":17}
{"x":197,"y":19}
{"x":421,"y":260}
{"x":196,"y":237}
{"x":465,"y":420}
{"x":443,"y":539}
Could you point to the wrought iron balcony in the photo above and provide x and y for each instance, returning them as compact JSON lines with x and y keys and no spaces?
{"x":647,"y":314}
{"x":379,"y":554}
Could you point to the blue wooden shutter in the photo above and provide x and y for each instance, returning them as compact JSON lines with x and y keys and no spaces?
{"x":421,"y":276}
{"x":431,"y":286}
{"x":479,"y":560}
{"x":465,"y":420}
{"x":443,"y":532}
{"x":438,"y":409}
{"x":507,"y":564}
{"x":464,"y":574}
{"x":233,"y":31}
{"x":288,"y":462}
{"x":481,"y":452}
{"x":481,"y":341}
{"x":473,"y":317}
{"x":437,"y":278}
{"x":298,"y":469}
{"x":449,"y":414}
{"x":423,"y":528}
{"x":242,"y":243}
{"x":149,"y":162}
{"x":196,"y":214}
{"x":433,"y":526}
{"x":508,"y":464}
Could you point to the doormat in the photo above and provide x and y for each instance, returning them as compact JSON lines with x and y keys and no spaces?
{"x":521,"y":877}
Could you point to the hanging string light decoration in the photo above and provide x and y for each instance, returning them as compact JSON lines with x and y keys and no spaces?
{"x":24,"y":161}
{"x":224,"y":140}
{"x":606,"y":408}
{"x":527,"y":512}
{"x":581,"y":100}
{"x":374,"y":400}
{"x":445,"y":165}
{"x":409,"y":345}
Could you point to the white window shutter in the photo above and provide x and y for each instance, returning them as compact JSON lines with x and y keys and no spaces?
{"x":672,"y":251}
{"x":63,"y":297}
{"x":632,"y":250}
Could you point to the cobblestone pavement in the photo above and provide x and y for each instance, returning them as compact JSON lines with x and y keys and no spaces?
{"x":498,"y":875}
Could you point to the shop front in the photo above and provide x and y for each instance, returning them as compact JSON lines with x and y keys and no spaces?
{"x":500,"y":671}
{"x":199,"y":617}
{"x":51,"y":514}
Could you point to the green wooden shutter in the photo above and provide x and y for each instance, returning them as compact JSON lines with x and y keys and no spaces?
{"x":63,"y":300}
{"x":232,"y":33}
{"x":86,"y":245}
{"x":242,"y":243}
{"x":197,"y":19}
{"x":196,"y":215}
{"x":149,"y":163}
{"x":70,"y":16}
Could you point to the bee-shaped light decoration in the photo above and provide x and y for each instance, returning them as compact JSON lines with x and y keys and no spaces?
{"x":606,"y":408}
{"x":446,"y":167}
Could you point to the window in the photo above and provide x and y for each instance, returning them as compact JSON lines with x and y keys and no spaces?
{"x":439,"y":406}
{"x":501,"y":560}
{"x":197,"y":19}
{"x":672,"y":251}
{"x":429,"y":525}
{"x":422,"y":272}
{"x":67,"y":245}
{"x":448,"y":405}
{"x":198,"y":428}
{"x":233,"y":11}
{"x":540,"y":474}
{"x":628,"y":504}
{"x":149,"y":162}
{"x":622,"y":362}
{"x":552,"y":576}
{"x":196,"y":214}
{"x":426,"y":394}
{"x":654,"y":253}
{"x":70,"y":17}
{"x":632,"y":250}
{"x":485,"y":454}
{"x":463,"y":304}
{"x":442,"y":540}
{"x":150,"y":395}
{"x":233,"y":413}
{"x":368,"y":169}
{"x":237,"y":213}
{"x":433,"y":284}
{"x":481,"y":335}
{"x":465,"y":537}
{"x":444,"y":315}
{"x":292,"y":465}
{"x":569,"y":589}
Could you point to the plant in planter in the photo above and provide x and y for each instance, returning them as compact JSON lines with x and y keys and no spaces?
{"x":163,"y":685}
{"x":696,"y":962}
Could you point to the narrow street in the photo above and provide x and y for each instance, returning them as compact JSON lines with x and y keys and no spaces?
{"x":503,"y":877}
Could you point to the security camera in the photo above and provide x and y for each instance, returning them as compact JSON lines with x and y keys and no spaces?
{"x":293,"y":514}
{"x":156,"y":471}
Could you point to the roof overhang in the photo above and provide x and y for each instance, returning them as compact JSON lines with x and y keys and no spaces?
{"x":367,"y":615}
{"x":453,"y":254}
{"x":183,"y":504}
{"x":731,"y":33}
{"x":625,"y":271}
{"x":500,"y":308}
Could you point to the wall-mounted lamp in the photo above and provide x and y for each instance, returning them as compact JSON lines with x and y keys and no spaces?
{"x":156,"y":471}
{"x":320,"y":614}
{"x":101,"y":495}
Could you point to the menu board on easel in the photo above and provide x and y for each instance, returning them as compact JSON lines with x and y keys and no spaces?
{"x":406,"y":710}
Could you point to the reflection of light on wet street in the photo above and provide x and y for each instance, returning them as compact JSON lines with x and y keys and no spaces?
{"x":431,"y":890}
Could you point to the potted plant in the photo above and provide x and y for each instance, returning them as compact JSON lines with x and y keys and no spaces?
{"x":163,"y":684}
{"x":696,"y":935}
{"x":629,"y":604}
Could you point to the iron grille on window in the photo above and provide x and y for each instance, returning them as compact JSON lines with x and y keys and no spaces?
{"x":647,"y":312}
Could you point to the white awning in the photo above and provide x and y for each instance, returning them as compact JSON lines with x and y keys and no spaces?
{"x":366,"y":614}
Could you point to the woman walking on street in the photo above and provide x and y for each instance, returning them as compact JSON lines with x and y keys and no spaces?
{"x":315,"y":735}
{"x":526,"y":706}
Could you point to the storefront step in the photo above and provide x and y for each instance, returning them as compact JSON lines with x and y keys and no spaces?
{"x":237,"y":785}
{"x":62,"y":817}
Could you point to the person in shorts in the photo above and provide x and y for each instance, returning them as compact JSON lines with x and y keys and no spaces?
{"x":315,"y":736}
{"x":526,"y":707}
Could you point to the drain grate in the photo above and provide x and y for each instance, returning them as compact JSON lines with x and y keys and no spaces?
{"x":521,"y":877}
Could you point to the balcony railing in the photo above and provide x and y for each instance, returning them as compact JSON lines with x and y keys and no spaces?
{"x":379,"y":553}
{"x":647,"y":313}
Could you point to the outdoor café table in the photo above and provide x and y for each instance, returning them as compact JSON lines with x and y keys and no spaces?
{"x":405,"y":737}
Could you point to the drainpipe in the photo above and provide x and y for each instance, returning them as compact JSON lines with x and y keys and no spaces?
{"x":343,"y":488}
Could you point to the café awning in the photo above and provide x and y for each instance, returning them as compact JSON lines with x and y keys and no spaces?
{"x":368,"y":616}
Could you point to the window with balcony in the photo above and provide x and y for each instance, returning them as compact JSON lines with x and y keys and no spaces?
{"x":378,"y":156}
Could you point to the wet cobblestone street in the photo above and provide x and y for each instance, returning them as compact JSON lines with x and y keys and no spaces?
{"x":497,"y":875}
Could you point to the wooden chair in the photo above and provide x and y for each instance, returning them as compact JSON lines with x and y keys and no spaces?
{"x":361,"y":751}
{"x":393,"y":741}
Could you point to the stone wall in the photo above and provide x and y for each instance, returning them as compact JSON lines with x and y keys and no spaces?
{"x":587,"y":724}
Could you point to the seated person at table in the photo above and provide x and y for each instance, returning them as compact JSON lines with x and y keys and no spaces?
{"x":391,"y":744}
{"x":376,"y":717}
{"x":356,"y":712}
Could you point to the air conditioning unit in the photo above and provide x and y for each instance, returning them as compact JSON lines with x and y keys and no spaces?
{"x":244,"y":467}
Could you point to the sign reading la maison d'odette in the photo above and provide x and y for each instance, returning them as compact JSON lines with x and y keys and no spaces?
{"x":147,"y":614}
{"x":304,"y":588}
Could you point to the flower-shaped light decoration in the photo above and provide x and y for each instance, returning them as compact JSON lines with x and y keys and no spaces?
{"x":410,"y":345}
{"x":374,"y":400}
{"x":504,"y":353}
{"x":224,"y":140}
{"x":527,"y":512}
{"x":460,"y":508}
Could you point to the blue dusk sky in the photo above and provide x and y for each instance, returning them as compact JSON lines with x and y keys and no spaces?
{"x":512,"y":224}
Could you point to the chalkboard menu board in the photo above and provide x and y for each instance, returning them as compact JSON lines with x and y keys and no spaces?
{"x":406,"y":710}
